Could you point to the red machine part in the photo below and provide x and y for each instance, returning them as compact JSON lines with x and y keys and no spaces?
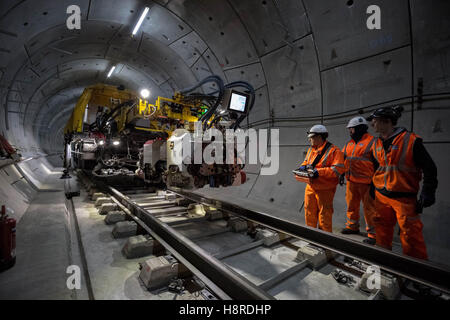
{"x":6,"y":146}
{"x":243,"y":177}
{"x":97,"y":135}
{"x":7,"y":240}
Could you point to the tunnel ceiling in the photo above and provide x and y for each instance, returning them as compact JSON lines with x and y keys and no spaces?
{"x":306,"y":59}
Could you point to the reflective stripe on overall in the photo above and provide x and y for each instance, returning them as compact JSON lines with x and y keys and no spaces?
{"x":398,"y":173}
{"x":358,"y":166}
{"x":319,"y":194}
{"x":359,"y":172}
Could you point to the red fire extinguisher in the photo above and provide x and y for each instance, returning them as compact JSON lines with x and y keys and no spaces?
{"x":7,"y":241}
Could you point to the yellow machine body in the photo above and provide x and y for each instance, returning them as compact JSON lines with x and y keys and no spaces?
{"x":161,"y":114}
{"x":99,"y":94}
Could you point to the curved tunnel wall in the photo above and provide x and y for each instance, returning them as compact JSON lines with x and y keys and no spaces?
{"x":310,"y":62}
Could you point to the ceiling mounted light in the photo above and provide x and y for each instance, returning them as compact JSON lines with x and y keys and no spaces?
{"x":145,"y":93}
{"x":141,"y":19}
{"x":111,"y":71}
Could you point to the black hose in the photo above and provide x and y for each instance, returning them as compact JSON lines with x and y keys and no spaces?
{"x":251,"y":91}
{"x":218,"y":80}
{"x":101,"y":121}
{"x":204,"y":118}
{"x":216,"y":119}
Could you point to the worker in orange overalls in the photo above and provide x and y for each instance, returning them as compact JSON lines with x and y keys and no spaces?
{"x":359,"y":172}
{"x":400,"y":158}
{"x":323,"y":165}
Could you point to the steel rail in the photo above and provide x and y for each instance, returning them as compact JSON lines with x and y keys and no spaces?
{"x":233,"y":284}
{"x":430,"y":274}
{"x":207,"y":282}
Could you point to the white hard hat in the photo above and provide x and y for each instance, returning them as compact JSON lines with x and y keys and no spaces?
{"x":318,"y":128}
{"x":356,"y":121}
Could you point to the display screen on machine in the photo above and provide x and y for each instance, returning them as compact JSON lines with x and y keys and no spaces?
{"x":238,"y":102}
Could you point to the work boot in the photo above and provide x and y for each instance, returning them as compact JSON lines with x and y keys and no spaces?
{"x":371,"y":241}
{"x":349,"y":231}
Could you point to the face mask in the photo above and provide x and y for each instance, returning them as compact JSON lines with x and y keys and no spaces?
{"x":359,"y":132}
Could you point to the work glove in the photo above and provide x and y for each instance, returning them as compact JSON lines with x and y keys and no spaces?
{"x":341,"y":179}
{"x":302,"y":168}
{"x":427,"y":198}
{"x":315,"y":174}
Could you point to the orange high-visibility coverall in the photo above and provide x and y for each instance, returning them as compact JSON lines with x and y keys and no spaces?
{"x":359,"y":172}
{"x":319,"y":192}
{"x":398,"y":175}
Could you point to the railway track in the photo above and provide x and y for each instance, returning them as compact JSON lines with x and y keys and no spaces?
{"x":218,"y":250}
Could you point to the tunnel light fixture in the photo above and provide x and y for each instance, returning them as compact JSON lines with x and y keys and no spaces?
{"x":145,"y":93}
{"x":141,"y":19}
{"x":111,"y":71}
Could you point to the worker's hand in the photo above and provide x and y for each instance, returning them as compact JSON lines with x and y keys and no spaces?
{"x":315,"y":174}
{"x":302,"y":168}
{"x":341,"y":179}
{"x":427,"y":198}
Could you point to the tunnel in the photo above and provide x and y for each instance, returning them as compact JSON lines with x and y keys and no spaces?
{"x":310,"y":62}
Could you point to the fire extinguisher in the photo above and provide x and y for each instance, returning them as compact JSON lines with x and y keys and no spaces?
{"x":7,"y":240}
